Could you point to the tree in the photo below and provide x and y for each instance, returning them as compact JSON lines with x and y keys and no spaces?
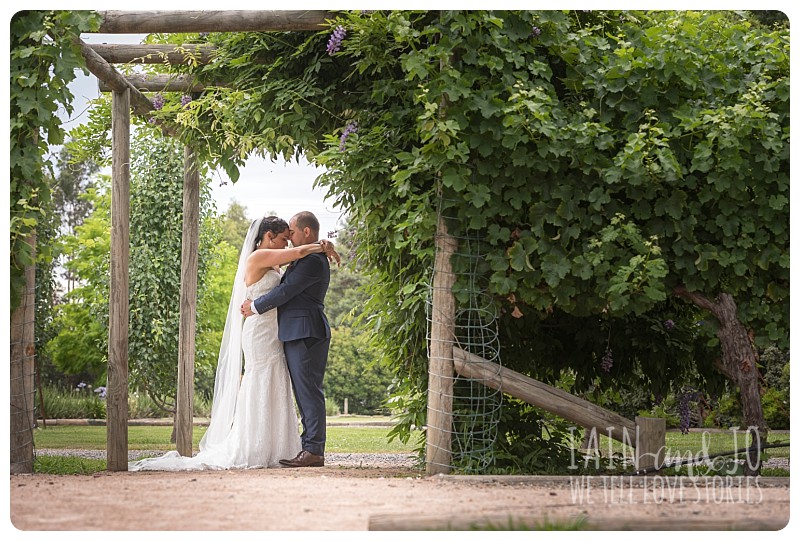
{"x":235,"y":224}
{"x":156,"y":226}
{"x":79,"y":346}
{"x":353,"y":373}
{"x":346,"y":293}
{"x":354,"y":370}
{"x":212,"y":307}
{"x":73,"y":179}
{"x":43,"y":58}
{"x":157,"y":170}
{"x":66,"y":209}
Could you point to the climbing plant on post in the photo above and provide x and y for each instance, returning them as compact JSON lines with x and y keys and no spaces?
{"x":42,"y":64}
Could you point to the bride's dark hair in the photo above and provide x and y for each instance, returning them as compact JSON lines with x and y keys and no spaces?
{"x":270,"y":223}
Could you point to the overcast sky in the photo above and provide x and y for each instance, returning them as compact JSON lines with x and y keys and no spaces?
{"x":263,"y":187}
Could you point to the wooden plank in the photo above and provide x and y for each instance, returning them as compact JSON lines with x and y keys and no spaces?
{"x":519,"y":521}
{"x":440,"y":363}
{"x":155,"y":53}
{"x":188,"y":308}
{"x":162,"y":83}
{"x":544,"y":396}
{"x":147,"y":22}
{"x":118,"y":305}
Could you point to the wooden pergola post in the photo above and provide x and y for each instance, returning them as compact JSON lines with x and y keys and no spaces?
{"x":188,"y":316}
{"x":118,"y":303}
{"x":22,"y":371}
{"x":440,"y":361}
{"x":651,"y":436}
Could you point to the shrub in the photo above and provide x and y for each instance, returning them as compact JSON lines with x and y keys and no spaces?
{"x":82,"y":402}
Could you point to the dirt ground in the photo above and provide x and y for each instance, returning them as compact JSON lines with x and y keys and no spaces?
{"x":348,"y":499}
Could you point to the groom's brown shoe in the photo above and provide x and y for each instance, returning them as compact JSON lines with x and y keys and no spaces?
{"x":303,"y":459}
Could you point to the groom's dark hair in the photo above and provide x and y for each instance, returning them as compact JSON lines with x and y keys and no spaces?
{"x":306,"y":219}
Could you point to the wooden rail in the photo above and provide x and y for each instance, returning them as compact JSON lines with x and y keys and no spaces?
{"x":147,"y":22}
{"x":162,"y":83}
{"x":544,"y":396}
{"x":647,"y":435}
{"x":155,"y":53}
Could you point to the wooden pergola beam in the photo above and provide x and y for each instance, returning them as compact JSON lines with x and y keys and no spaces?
{"x":137,"y":22}
{"x":117,"y":83}
{"x":162,"y":83}
{"x":155,"y":53}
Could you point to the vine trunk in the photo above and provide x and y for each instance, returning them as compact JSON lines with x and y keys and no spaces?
{"x":738,"y":364}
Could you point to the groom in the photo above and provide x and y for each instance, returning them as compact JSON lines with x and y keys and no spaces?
{"x":304,"y":331}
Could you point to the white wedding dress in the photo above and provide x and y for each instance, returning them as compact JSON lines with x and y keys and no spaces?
{"x":264,"y":428}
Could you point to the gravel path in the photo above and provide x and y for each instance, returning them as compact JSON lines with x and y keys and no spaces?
{"x":344,"y":460}
{"x":380,"y":491}
{"x":344,"y":499}
{"x":348,"y":460}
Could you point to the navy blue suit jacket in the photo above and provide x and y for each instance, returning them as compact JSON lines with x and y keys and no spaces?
{"x":300,"y":299}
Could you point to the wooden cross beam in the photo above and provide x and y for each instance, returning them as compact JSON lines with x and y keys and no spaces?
{"x":148,"y":22}
{"x":155,"y":53}
{"x":162,"y":83}
{"x":116,"y":82}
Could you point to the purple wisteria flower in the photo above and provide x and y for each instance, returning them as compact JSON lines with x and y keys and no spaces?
{"x":335,"y":41}
{"x":352,"y":127}
{"x":158,"y":102}
{"x":607,"y":362}
{"x":185,"y":100}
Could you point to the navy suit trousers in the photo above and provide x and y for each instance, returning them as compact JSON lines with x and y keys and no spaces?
{"x":306,"y":359}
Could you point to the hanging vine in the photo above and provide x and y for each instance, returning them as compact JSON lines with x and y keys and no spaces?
{"x":43,"y":62}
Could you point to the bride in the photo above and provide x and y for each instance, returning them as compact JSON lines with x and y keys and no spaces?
{"x":253,"y":420}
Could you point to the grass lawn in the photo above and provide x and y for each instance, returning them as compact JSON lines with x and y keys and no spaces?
{"x":680,"y":445}
{"x":341,"y":439}
{"x":357,"y":439}
{"x":372,"y":439}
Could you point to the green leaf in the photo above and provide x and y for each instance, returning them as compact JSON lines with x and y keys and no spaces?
{"x":554,"y":269}
{"x":454,"y":179}
{"x":778,"y":202}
